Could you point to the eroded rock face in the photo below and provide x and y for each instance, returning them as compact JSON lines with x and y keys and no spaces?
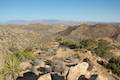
{"x":78,"y":70}
{"x":45,"y":77}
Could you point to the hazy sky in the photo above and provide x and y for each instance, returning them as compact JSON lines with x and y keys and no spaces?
{"x":82,"y":10}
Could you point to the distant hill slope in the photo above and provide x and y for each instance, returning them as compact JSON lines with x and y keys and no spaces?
{"x":92,"y":31}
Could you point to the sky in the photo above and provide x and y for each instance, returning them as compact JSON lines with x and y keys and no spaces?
{"x":75,"y":10}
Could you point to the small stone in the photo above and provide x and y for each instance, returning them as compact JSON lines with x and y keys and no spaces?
{"x":58,"y":66}
{"x":25,"y":65}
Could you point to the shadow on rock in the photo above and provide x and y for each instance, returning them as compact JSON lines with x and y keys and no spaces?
{"x":28,"y":76}
{"x":57,"y":77}
{"x":82,"y":77}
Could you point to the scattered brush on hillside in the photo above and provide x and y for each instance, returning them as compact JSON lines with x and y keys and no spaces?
{"x":104,"y":49}
{"x":114,"y":65}
{"x":100,"y":47}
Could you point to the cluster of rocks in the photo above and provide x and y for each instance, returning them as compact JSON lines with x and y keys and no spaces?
{"x":41,"y":69}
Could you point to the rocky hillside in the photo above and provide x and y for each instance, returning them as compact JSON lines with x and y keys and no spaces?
{"x":54,"y":52}
{"x":20,"y":37}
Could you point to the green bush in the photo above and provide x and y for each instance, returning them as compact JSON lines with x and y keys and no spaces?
{"x":103,"y":49}
{"x":70,"y":43}
{"x":114,"y":65}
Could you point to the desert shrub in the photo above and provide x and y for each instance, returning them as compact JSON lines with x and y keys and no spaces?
{"x":88,"y":44}
{"x":70,"y":43}
{"x":114,"y":65}
{"x":103,"y":49}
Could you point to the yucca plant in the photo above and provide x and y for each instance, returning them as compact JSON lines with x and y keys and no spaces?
{"x":10,"y":66}
{"x":11,"y":63}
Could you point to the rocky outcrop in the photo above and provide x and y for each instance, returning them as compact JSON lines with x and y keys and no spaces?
{"x":56,"y":71}
{"x":78,"y":70}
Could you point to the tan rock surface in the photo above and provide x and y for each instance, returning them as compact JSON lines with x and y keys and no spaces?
{"x":45,"y":77}
{"x":78,"y":70}
{"x":25,"y":65}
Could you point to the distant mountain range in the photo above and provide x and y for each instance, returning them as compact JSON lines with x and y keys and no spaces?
{"x":53,"y":22}
{"x":45,"y":21}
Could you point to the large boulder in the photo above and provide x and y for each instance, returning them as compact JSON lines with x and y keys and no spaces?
{"x":37,"y":65}
{"x":78,"y":70}
{"x":45,"y":77}
{"x":58,"y":66}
